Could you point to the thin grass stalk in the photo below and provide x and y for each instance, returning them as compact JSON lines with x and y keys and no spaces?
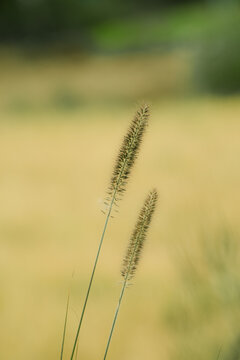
{"x":91,"y":280}
{"x":124,"y":163}
{"x":65,"y":327}
{"x":119,"y":302}
{"x":115,"y":319}
{"x":76,"y":353}
{"x":130,"y":262}
{"x":120,"y":299}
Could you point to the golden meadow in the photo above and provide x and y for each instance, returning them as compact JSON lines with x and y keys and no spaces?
{"x":61,"y":124}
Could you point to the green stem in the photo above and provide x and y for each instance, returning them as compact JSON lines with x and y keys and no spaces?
{"x":122,"y":291}
{"x":65,"y":327}
{"x":92,"y":276}
{"x":76,"y":351}
{"x":115,"y":317}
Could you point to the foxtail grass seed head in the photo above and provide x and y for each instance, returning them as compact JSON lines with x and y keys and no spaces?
{"x":127,"y":155}
{"x":138,"y":237}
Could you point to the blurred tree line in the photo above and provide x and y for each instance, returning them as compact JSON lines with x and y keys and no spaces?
{"x":211,"y":28}
{"x":49,"y":20}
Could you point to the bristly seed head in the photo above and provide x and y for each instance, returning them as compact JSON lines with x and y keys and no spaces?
{"x":128,"y":154}
{"x":138,"y":237}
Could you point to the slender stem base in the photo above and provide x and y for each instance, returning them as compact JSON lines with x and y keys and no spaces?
{"x":115,"y":317}
{"x":91,"y":279}
{"x":65,"y":327}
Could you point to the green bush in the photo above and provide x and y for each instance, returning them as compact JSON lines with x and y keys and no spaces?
{"x":218,"y":63}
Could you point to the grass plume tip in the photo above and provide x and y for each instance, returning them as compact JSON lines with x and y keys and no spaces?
{"x":138,"y":237}
{"x":127,"y":155}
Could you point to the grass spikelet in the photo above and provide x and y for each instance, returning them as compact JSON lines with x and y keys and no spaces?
{"x":124,"y":163}
{"x":138,"y":237}
{"x":127,"y":155}
{"x":134,"y":250}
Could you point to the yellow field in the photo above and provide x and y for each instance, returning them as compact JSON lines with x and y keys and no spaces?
{"x":55,"y":167}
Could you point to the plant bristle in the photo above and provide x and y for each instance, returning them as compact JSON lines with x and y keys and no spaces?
{"x":138,"y":237}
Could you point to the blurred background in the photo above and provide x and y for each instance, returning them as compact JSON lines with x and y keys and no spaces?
{"x":71,"y":76}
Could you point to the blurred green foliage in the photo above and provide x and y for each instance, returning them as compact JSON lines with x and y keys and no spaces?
{"x":218,"y":63}
{"x":208,"y":29}
{"x":68,"y":21}
{"x":208,"y":285}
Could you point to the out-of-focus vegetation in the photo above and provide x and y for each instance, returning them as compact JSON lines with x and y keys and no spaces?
{"x":68,"y":84}
{"x":217,"y":65}
{"x":208,"y":30}
{"x":49,"y":20}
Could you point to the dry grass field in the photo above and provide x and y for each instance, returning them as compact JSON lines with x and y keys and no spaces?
{"x":55,"y":166}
